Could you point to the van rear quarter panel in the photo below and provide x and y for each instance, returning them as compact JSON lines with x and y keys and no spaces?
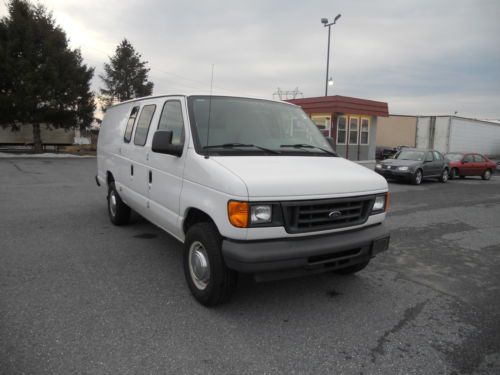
{"x":110,"y":140}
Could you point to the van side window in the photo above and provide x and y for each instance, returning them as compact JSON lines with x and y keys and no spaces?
{"x":141,"y":133}
{"x":171,"y":119}
{"x":130,"y":125}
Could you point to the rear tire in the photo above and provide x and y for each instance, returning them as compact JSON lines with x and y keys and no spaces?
{"x":208,"y":277}
{"x":486,"y":175}
{"x":417,"y":177}
{"x":353,"y":269}
{"x":444,"y":176}
{"x":118,"y":211}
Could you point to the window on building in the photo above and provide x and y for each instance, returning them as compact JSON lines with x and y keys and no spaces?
{"x":341,"y":130}
{"x":130,"y":124}
{"x":141,"y":133}
{"x":353,"y":130}
{"x":365,"y":131}
{"x":323,"y":124}
{"x":171,"y":119}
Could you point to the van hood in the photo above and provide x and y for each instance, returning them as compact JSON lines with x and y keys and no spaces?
{"x":278,"y":176}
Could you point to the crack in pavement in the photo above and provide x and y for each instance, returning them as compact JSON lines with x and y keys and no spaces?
{"x":409,"y":315}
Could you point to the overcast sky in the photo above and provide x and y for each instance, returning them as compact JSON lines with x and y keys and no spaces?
{"x":422,"y":57}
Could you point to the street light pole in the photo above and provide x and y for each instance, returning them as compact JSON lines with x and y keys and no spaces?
{"x":324,"y":21}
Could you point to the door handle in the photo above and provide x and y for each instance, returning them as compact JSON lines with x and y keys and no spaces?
{"x":132,"y":170}
{"x":150,"y":177}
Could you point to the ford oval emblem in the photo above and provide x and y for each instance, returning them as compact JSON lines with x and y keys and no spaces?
{"x":335,"y":213}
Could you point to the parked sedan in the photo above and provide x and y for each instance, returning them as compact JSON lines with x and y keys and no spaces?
{"x":414,"y":165}
{"x":469,"y":164}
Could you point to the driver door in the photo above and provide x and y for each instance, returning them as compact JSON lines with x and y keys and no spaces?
{"x":428,"y":166}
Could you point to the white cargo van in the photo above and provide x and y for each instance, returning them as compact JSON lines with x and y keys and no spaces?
{"x":248,"y":185}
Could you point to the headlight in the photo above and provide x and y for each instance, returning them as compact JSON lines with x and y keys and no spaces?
{"x":378,"y":166}
{"x":402,"y":168}
{"x":261,"y":214}
{"x":249,"y":214}
{"x":380,"y":204}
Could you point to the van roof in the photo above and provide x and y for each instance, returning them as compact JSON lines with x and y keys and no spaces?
{"x":201,"y":94}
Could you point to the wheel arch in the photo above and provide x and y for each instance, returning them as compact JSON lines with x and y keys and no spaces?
{"x":109,"y":178}
{"x":194,"y":216}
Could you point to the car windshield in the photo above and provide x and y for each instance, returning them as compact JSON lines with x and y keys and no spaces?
{"x":227,"y":125}
{"x":410,"y":155}
{"x":454,"y":157}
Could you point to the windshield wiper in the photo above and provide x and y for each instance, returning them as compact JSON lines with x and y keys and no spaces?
{"x":242,"y":145}
{"x":305,"y":145}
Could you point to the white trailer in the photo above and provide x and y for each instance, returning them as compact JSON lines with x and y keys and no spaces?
{"x":458,"y":134}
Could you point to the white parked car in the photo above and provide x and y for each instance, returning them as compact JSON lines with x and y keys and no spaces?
{"x":248,"y":185}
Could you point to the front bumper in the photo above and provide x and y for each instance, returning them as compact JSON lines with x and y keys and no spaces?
{"x":324,"y":252}
{"x":394,"y":173}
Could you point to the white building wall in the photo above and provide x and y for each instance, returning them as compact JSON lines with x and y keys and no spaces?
{"x":468,"y":135}
{"x":423,"y":127}
{"x":441,"y":132}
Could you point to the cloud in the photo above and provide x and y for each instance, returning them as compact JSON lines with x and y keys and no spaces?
{"x":420,"y":56}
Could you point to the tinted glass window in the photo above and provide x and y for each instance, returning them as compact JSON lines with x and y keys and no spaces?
{"x":341,"y":130}
{"x":437,"y":155}
{"x":469,"y":158}
{"x":130,"y":124}
{"x":410,"y":155}
{"x":454,"y":157}
{"x":479,"y":159}
{"x":141,"y":133}
{"x":171,"y":119}
{"x":364,"y":131}
{"x":353,"y":131}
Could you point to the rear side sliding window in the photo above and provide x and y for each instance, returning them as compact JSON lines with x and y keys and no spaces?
{"x":130,"y":124}
{"x":141,"y":133}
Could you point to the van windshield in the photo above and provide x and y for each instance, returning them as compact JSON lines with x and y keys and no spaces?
{"x":228,"y":126}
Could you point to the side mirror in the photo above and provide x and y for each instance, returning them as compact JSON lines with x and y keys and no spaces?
{"x":162,"y":143}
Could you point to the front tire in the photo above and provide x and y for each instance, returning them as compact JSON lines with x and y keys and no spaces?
{"x":208,"y":277}
{"x":353,"y":269}
{"x":118,"y":211}
{"x":486,"y":175}
{"x":453,"y":173}
{"x":444,"y":176}
{"x":417,"y":177}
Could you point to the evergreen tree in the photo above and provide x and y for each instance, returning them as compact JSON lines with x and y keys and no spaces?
{"x":42,"y":80}
{"x":126,"y":76}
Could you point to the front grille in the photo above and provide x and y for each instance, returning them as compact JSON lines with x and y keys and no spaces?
{"x":325,"y":214}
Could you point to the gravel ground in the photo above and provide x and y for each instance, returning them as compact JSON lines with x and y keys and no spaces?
{"x":78,"y":295}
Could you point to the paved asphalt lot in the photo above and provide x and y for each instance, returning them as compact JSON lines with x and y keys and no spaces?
{"x":78,"y":295}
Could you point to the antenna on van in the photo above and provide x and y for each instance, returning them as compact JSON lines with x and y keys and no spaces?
{"x":210,"y":108}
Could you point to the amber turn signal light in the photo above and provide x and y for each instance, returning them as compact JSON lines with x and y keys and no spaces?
{"x":238,"y":213}
{"x":386,"y":201}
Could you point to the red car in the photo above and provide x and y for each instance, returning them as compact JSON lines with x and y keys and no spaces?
{"x":470,"y":164}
